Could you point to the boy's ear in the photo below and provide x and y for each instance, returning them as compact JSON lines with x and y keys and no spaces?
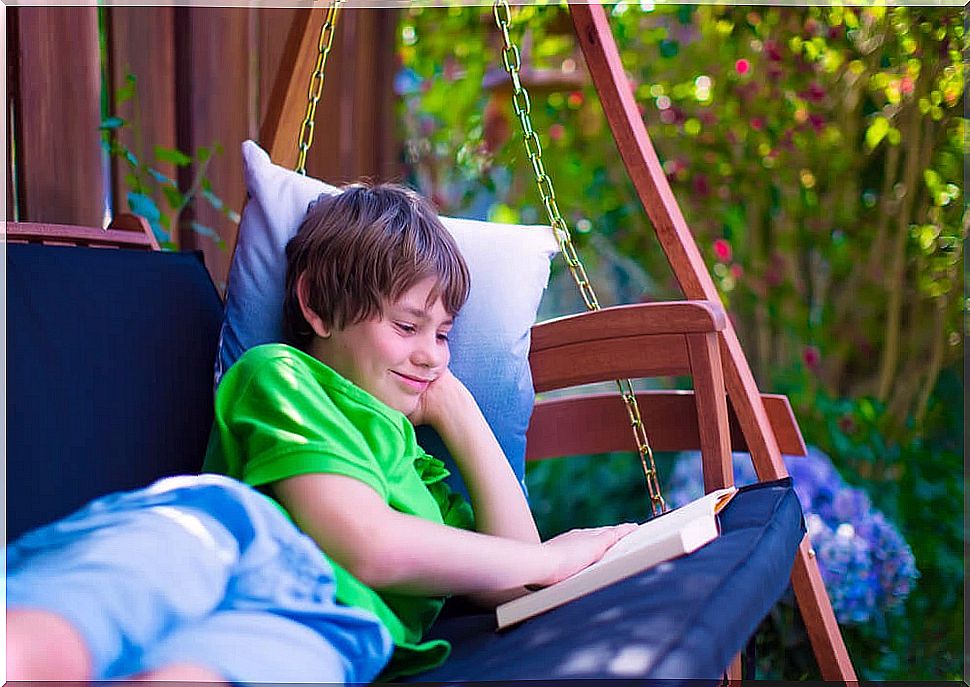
{"x":320,"y":328}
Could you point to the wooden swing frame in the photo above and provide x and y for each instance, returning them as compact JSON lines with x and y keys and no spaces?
{"x":657,"y":339}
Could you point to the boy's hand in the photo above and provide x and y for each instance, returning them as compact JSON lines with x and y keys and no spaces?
{"x":444,"y":395}
{"x":578,"y":549}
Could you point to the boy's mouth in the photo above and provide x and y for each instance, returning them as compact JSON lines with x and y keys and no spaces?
{"x":416,"y":383}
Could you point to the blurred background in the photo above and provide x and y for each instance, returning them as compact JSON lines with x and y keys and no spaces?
{"x":818,"y":155}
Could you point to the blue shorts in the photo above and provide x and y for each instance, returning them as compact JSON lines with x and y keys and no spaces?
{"x":202,"y":570}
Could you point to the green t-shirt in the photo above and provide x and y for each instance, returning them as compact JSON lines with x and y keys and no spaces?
{"x":280,"y":412}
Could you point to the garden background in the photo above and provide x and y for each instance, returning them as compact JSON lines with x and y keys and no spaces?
{"x":818,"y":155}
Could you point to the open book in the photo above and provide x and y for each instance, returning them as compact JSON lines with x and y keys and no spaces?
{"x":667,"y":536}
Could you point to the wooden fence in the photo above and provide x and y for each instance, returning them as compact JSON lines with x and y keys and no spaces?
{"x":203,"y":76}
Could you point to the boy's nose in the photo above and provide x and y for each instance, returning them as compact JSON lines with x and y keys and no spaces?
{"x":430,"y":353}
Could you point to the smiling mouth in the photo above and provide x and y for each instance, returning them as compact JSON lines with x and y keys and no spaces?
{"x":416,"y":383}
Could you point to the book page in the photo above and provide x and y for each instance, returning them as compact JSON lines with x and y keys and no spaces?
{"x":671,"y":521}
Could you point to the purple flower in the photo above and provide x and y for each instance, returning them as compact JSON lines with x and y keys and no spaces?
{"x":867,"y":566}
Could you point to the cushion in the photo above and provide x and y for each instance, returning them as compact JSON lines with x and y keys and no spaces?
{"x":683,"y":620}
{"x":110,"y":354}
{"x":509,"y":267}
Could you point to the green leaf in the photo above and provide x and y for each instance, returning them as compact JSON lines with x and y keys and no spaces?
{"x":877,"y":131}
{"x":161,"y":178}
{"x":175,"y":198}
{"x":176,"y":157}
{"x":143,"y":205}
{"x":129,"y":157}
{"x":111,"y":123}
{"x":126,"y":92}
{"x":203,"y":153}
{"x":214,"y":200}
{"x":209,"y":232}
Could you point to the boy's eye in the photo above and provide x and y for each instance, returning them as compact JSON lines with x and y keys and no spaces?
{"x":407,"y":328}
{"x":443,"y":336}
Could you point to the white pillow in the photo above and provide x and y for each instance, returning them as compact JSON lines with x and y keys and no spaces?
{"x":509,"y":266}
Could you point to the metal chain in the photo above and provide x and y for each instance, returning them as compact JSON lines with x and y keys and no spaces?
{"x":316,"y":83}
{"x":523,"y":108}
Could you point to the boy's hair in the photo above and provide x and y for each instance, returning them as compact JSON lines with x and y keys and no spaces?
{"x":363,"y":246}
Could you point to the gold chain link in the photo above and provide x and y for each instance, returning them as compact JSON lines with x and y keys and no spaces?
{"x":523,"y":108}
{"x":316,"y":83}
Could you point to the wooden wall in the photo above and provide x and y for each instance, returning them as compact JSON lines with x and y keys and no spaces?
{"x":204,"y":76}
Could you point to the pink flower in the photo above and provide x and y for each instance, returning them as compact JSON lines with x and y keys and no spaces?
{"x":772,"y":50}
{"x":815,"y":92}
{"x":737,"y":271}
{"x":742,"y":66}
{"x":847,"y":424}
{"x":701,"y":186}
{"x":811,"y":356}
{"x":757,"y":124}
{"x":722,"y":250}
{"x":906,"y":85}
{"x":556,"y":132}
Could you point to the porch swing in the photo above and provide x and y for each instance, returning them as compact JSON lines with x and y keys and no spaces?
{"x":689,"y":619}
{"x":644,"y":340}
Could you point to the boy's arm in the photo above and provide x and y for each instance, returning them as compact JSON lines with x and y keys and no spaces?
{"x":499,"y":505}
{"x":391,"y":551}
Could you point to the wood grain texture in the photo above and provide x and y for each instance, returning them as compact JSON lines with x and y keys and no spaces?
{"x":354,"y":131}
{"x":128,"y":232}
{"x":286,"y":106}
{"x":597,"y":423}
{"x":637,"y":319}
{"x":820,"y":622}
{"x":608,"y":358}
{"x":61,"y":176}
{"x":213,"y":81}
{"x":709,"y":396}
{"x":141,"y":42}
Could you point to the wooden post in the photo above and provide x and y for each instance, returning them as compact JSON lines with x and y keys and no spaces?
{"x":355,"y":116}
{"x":141,"y":42}
{"x":643,"y":166}
{"x":212,"y":90}
{"x":56,"y":115}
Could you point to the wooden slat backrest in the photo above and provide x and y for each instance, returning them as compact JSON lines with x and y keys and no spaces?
{"x":595,"y":423}
{"x":127,"y":231}
{"x":631,"y":341}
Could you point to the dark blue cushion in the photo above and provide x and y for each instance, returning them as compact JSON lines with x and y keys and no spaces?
{"x":683,"y":620}
{"x":108,"y":373}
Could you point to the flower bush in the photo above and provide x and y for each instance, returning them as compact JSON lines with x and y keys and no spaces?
{"x":867,"y":566}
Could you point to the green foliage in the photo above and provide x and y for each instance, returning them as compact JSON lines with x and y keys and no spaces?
{"x":151,"y":193}
{"x":817,"y":154}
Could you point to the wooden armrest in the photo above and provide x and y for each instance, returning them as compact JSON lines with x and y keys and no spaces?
{"x":127,"y":231}
{"x":678,"y":317}
{"x":627,"y":341}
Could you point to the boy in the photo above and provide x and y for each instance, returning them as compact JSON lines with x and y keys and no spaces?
{"x":221,"y":585}
{"x":373,"y":283}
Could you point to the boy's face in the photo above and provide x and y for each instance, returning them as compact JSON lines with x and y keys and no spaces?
{"x":396,"y":356}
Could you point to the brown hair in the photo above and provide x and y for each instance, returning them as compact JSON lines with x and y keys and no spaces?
{"x":364,"y":246}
